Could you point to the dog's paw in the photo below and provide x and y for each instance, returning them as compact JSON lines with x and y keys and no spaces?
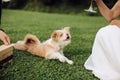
{"x":62,"y":59}
{"x":70,"y":62}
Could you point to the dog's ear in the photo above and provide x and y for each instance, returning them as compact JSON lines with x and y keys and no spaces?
{"x":54,"y":36}
{"x":67,"y":29}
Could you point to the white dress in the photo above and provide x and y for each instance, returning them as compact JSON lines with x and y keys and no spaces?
{"x":105,"y":58}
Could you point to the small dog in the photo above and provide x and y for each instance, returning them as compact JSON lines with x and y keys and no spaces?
{"x":50,"y":49}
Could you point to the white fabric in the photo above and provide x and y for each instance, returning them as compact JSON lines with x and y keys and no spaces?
{"x":105,"y":58}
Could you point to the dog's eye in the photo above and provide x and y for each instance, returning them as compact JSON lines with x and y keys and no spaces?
{"x":61,"y":35}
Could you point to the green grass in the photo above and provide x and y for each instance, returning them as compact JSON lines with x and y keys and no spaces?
{"x":28,"y":67}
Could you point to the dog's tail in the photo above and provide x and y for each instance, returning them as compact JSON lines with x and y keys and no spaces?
{"x":31,"y":40}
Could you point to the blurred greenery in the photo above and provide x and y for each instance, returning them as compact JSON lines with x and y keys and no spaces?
{"x":25,"y":66}
{"x":56,"y":6}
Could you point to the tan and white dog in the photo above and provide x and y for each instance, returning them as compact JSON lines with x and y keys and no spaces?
{"x":50,"y":49}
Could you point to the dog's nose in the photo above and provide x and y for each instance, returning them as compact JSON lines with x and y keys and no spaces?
{"x":68,"y":36}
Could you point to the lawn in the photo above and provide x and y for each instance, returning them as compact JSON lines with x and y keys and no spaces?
{"x":25,"y":66}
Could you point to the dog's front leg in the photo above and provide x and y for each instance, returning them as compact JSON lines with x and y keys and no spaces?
{"x":61,"y":52}
{"x":62,"y":58}
{"x":67,"y":60}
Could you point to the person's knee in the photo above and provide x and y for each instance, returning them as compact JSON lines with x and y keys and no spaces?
{"x":108,"y":31}
{"x":102,"y":31}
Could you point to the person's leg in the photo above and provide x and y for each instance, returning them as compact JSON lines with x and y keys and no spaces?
{"x":104,"y":60}
{"x":104,"y":10}
{"x":109,"y":14}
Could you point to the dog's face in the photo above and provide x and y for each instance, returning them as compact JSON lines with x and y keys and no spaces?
{"x":63,"y":36}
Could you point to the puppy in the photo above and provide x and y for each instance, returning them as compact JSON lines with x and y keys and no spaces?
{"x":50,"y":49}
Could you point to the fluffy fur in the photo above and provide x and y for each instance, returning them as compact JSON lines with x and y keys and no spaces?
{"x":50,"y":49}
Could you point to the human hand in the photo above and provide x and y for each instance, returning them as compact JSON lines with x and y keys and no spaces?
{"x":4,"y":37}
